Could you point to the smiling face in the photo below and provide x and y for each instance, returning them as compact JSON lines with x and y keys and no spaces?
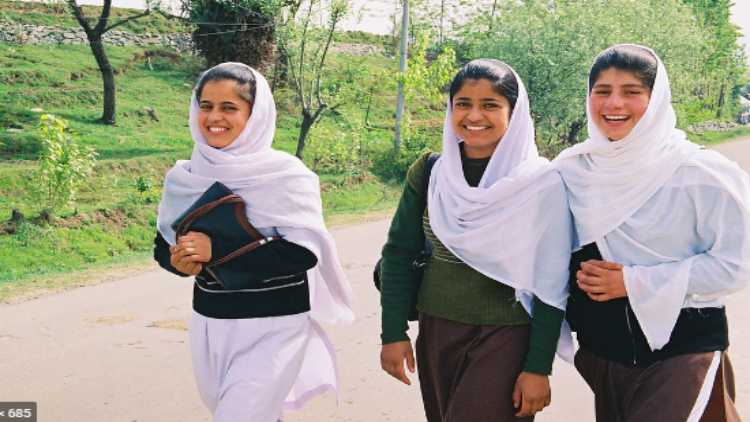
{"x":618,"y":101}
{"x":223,"y":113}
{"x":480,"y":117}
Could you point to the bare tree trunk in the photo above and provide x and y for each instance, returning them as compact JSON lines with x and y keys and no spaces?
{"x":307,"y":122}
{"x":492,"y":15}
{"x":720,"y":101}
{"x":108,"y":78}
{"x":94,"y":36}
{"x":442,"y":17}
{"x":402,"y":73}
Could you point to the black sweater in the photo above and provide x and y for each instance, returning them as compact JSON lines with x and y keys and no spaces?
{"x":211,"y":301}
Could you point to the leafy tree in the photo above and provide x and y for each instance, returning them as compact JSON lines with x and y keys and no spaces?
{"x":236,"y":30}
{"x":94,"y":32}
{"x":551,"y":44}
{"x":726,"y":62}
{"x":306,"y":49}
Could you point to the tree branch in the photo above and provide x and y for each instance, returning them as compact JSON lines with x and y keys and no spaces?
{"x":128,"y":19}
{"x":103,"y":17}
{"x":335,"y":17}
{"x":80,"y":17}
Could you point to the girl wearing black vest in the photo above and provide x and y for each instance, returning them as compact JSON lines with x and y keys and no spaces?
{"x":663,"y":228}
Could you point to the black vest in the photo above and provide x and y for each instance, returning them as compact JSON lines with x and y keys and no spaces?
{"x":611,"y":330}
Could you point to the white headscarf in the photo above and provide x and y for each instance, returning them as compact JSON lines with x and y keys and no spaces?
{"x":515,"y":226}
{"x":279,"y":191}
{"x":611,"y":180}
{"x":676,"y":216}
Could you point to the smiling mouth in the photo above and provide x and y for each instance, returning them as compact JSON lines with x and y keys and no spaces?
{"x":217,"y":130}
{"x":475,"y":128}
{"x":615,"y":118}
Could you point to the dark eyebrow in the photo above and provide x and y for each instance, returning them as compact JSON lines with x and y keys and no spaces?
{"x":624,"y":86}
{"x":481,"y":99}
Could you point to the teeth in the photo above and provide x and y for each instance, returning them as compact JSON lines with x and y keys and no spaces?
{"x":217,"y":129}
{"x":476,"y":127}
{"x":616,"y":117}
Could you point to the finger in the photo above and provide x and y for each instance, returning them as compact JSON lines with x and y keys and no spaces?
{"x":525,"y":408}
{"x":516,"y":396}
{"x":588,"y":279}
{"x":410,"y":361}
{"x":399,"y":374}
{"x":189,"y":269}
{"x":189,"y":260}
{"x":604,"y":264}
{"x":599,"y":297}
{"x":593,"y":269}
{"x":592,"y":288}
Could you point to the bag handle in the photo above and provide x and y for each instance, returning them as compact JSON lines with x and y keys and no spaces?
{"x":243,"y":250}
{"x":189,"y":219}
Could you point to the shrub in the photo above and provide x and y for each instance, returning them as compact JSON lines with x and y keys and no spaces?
{"x":64,"y":165}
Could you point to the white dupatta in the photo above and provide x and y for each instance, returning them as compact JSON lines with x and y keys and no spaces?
{"x":515,"y":226}
{"x":676,"y":216}
{"x":280,"y":192}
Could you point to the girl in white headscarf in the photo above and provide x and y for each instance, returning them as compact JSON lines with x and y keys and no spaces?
{"x":493,"y":292}
{"x":664,"y":233}
{"x":249,"y":363}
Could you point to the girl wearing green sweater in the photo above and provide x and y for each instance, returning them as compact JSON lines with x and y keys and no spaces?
{"x":492,"y":294}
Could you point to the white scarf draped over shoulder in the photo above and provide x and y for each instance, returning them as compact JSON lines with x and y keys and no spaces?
{"x":279,"y":192}
{"x":676,"y":216}
{"x":515,"y":226}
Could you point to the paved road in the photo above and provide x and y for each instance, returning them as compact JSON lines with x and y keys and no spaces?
{"x":117,"y":351}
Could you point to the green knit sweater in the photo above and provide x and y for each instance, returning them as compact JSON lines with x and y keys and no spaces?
{"x":450,"y":289}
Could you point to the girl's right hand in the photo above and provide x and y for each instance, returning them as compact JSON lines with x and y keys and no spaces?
{"x":392,"y":356}
{"x":184,"y":260}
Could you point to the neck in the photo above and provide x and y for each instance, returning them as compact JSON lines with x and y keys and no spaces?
{"x":478,"y":153}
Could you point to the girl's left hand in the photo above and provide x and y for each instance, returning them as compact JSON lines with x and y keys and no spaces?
{"x":531,"y":394}
{"x":197,"y":244}
{"x":601,"y":280}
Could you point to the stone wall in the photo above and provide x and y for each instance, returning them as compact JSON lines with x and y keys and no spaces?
{"x":33,"y":34}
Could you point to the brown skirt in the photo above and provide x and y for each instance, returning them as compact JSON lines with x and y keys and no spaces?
{"x":665,"y":391}
{"x":468,"y":372}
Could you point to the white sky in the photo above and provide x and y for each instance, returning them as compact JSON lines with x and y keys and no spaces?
{"x":741,"y":17}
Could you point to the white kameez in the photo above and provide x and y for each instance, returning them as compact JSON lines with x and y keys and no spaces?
{"x":250,"y":369}
{"x":676,"y":216}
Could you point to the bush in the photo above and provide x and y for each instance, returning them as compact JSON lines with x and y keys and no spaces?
{"x":63,"y":164}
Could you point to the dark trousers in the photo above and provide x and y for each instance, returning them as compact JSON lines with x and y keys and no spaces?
{"x":665,"y":391}
{"x":467,"y":372}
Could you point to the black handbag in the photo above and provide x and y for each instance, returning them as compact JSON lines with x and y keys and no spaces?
{"x":242,"y":259}
{"x":417,"y":265}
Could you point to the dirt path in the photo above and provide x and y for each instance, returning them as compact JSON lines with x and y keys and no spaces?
{"x":117,"y":351}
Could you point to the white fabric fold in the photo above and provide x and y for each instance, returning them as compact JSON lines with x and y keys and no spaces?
{"x":676,"y":216}
{"x":515,"y":226}
{"x":608,"y":181}
{"x":280,"y":193}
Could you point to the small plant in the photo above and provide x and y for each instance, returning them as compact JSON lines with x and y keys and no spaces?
{"x":64,"y":165}
{"x":146,"y":193}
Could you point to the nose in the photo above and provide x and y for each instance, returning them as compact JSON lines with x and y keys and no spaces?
{"x":213,"y":115}
{"x":475,"y":114}
{"x":614,"y":101}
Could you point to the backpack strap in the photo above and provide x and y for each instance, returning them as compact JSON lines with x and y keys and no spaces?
{"x":429,"y":164}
